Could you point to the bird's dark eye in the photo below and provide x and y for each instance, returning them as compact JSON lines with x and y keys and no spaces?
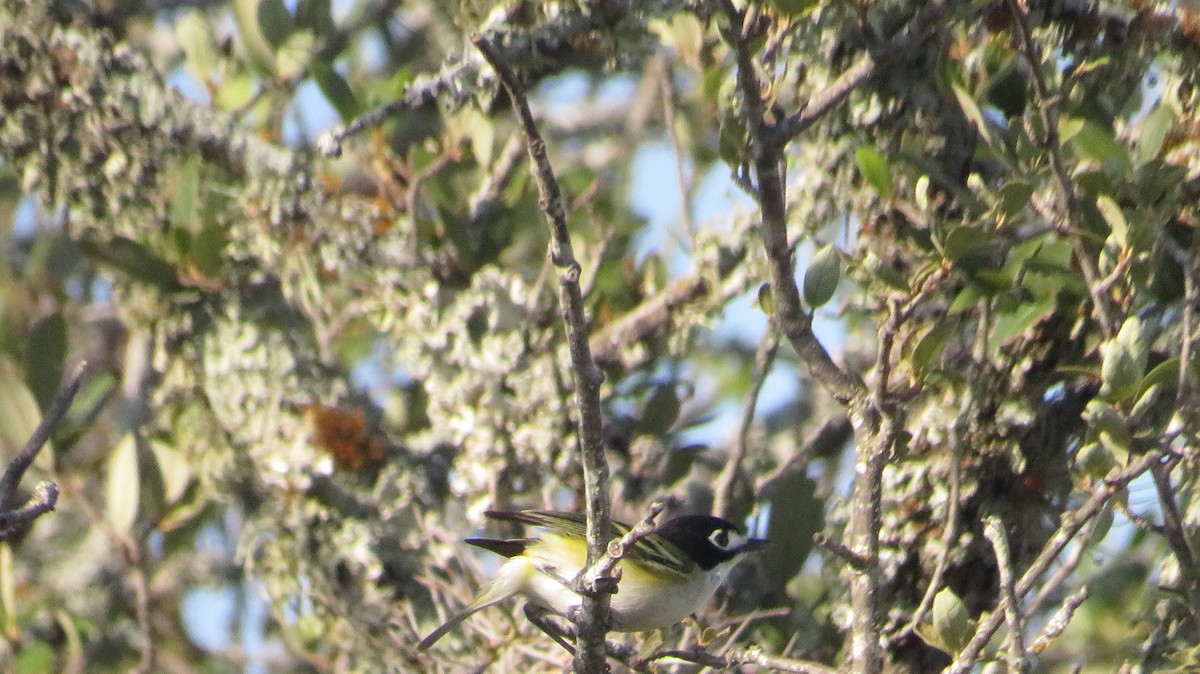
{"x":720,"y":538}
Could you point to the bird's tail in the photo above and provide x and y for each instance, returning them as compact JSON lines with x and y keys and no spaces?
{"x":510,"y":580}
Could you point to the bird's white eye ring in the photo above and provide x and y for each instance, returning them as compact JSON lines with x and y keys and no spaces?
{"x":719,"y":538}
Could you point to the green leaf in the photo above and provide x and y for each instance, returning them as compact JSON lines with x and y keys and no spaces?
{"x":921,"y":193}
{"x":1094,"y":460}
{"x":1014,"y":197}
{"x":1091,"y":64}
{"x":258,"y":50}
{"x":1099,"y":144}
{"x":195,"y":37}
{"x":766,"y":299}
{"x":951,"y":622}
{"x":134,"y":259}
{"x":931,"y":344}
{"x":1147,"y":401}
{"x":1106,"y":426}
{"x":875,"y":169}
{"x":235,"y":92}
{"x":45,"y":355}
{"x":186,"y":204}
{"x":175,"y":469}
{"x":275,"y":21}
{"x":1165,"y":373}
{"x":1154,"y":132}
{"x":1069,"y":127}
{"x":122,"y":486}
{"x":822,"y":276}
{"x":733,"y":139}
{"x":966,"y":298}
{"x":964,"y":240}
{"x":661,"y":410}
{"x":1112,"y":214}
{"x":791,"y":8}
{"x":19,"y":412}
{"x":684,"y":34}
{"x":34,"y":658}
{"x":8,"y":591}
{"x":1010,"y":324}
{"x":1124,"y":363}
{"x":337,"y":91}
{"x":972,"y":112}
{"x":796,"y":514}
{"x":293,"y":56}
{"x":207,"y":248}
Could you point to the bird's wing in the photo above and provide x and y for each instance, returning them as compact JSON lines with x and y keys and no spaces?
{"x":652,"y":550}
{"x":509,"y":547}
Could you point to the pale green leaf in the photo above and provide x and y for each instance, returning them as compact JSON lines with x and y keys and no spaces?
{"x":1112,"y":214}
{"x":175,"y":469}
{"x":1154,"y":131}
{"x":19,"y":413}
{"x":972,"y":112}
{"x":195,"y":37}
{"x":875,"y":169}
{"x":122,"y":486}
{"x":951,"y":622}
{"x":822,"y":276}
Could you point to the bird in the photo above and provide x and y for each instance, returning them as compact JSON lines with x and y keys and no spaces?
{"x":665,"y":576}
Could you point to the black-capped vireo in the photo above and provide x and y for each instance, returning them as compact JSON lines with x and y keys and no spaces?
{"x":665,"y":576}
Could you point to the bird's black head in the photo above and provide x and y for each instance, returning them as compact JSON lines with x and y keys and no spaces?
{"x":708,"y":540}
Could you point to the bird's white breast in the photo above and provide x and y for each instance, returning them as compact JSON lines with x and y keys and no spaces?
{"x":670,"y":600}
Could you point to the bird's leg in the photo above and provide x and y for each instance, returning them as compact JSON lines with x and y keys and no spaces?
{"x":540,"y":617}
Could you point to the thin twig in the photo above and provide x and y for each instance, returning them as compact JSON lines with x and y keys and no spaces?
{"x":593,"y":619}
{"x":495,"y":181}
{"x":141,"y":605}
{"x":460,"y":80}
{"x":764,"y":358}
{"x":1059,"y":621}
{"x":742,"y":656}
{"x":681,"y":176}
{"x":993,"y":531}
{"x":831,"y":436}
{"x":21,"y":462}
{"x":1173,"y":529}
{"x":1072,"y":523}
{"x":45,"y":495}
{"x":769,"y":190}
{"x":1060,"y":576}
{"x":949,"y":539}
{"x":656,"y":312}
{"x":1068,"y":203}
{"x":605,"y":569}
{"x":42,"y":501}
{"x":866,"y":67}
{"x":843,"y":552}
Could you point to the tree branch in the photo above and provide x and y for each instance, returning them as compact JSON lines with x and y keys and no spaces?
{"x":866,"y":67}
{"x":827,"y":439}
{"x":742,"y":656}
{"x":45,"y":496}
{"x":594,"y":579}
{"x":1068,"y":202}
{"x":993,"y":531}
{"x":541,"y":47}
{"x":1072,"y":523}
{"x":593,"y":619}
{"x":770,"y":193}
{"x":764,"y":358}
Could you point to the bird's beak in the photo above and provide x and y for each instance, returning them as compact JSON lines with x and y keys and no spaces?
{"x":752,"y":544}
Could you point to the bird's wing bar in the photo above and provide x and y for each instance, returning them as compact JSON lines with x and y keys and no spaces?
{"x":652,"y":549}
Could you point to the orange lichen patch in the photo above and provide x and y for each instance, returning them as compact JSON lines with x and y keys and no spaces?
{"x":344,"y":434}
